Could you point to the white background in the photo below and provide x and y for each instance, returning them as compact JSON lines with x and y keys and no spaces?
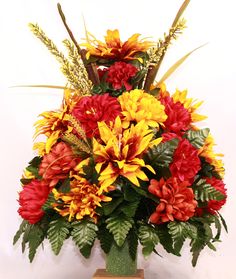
{"x":209,"y":74}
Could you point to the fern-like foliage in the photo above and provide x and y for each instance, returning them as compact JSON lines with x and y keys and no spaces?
{"x":119,"y":226}
{"x":84,"y":234}
{"x":35,"y":238}
{"x":57,"y":233}
{"x":106,"y":238}
{"x":197,"y":138}
{"x":162,"y":154}
{"x":179,"y":231}
{"x":23,"y":226}
{"x":205,"y":192}
{"x":148,"y":238}
{"x":133,"y":243}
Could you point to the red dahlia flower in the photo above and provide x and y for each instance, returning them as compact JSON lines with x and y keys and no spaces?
{"x":186,"y":163}
{"x":120,"y":73}
{"x":31,"y":200}
{"x":176,"y":200}
{"x":213,"y":205}
{"x":93,"y":109}
{"x":57,"y":164}
{"x":179,"y":119}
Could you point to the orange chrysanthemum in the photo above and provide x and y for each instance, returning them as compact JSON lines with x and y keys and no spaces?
{"x":176,"y":200}
{"x":80,"y":202}
{"x":114,"y":48}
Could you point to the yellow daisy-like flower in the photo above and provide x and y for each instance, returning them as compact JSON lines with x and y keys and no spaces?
{"x":137,"y":105}
{"x":114,"y":48}
{"x":211,"y":157}
{"x":80,"y":202}
{"x":54,"y":123}
{"x":189,"y":104}
{"x":120,"y":152}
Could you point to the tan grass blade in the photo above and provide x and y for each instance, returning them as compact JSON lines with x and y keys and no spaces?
{"x":41,"y":86}
{"x":180,"y":12}
{"x":173,"y":68}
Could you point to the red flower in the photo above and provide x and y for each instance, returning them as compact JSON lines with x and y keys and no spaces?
{"x":179,"y":118}
{"x":101,"y":72}
{"x":213,"y":205}
{"x":57,"y":164}
{"x":176,"y":200}
{"x":186,"y":163}
{"x":120,"y":73}
{"x":169,"y":136}
{"x":93,"y":109}
{"x":31,"y":199}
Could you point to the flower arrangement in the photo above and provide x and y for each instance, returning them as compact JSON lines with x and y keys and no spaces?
{"x":122,"y":159}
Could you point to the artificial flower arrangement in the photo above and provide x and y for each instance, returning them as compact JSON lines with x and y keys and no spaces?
{"x":122,"y":159}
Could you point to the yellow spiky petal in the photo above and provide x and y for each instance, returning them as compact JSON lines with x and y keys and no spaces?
{"x":121,"y":153}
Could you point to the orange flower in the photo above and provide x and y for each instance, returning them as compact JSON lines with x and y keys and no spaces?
{"x":54,"y":123}
{"x":81,"y":201}
{"x":120,"y":152}
{"x":114,"y":48}
{"x":176,"y":200}
{"x":57,"y":164}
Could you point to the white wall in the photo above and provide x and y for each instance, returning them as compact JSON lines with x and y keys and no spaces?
{"x":209,"y":74}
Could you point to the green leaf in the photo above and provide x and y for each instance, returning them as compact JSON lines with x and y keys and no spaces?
{"x":129,"y":193}
{"x":162,"y":154}
{"x":106,"y":239}
{"x":205,"y":192}
{"x":208,"y":232}
{"x":218,"y":228}
{"x":34,"y":171}
{"x":223,"y":222}
{"x":211,"y":246}
{"x":34,"y":166}
{"x":25,"y":237}
{"x":166,"y":239}
{"x":57,"y":233}
{"x":148,"y":238}
{"x":133,"y":243}
{"x":36,"y":161}
{"x":119,"y":226}
{"x":84,"y":234}
{"x":204,"y":234}
{"x":109,"y":207}
{"x":35,"y":238}
{"x":22,"y":228}
{"x":65,"y":186}
{"x":178,"y":233}
{"x":25,"y":181}
{"x":195,"y":257}
{"x":48,"y":204}
{"x":197,"y":138}
{"x":129,"y":209}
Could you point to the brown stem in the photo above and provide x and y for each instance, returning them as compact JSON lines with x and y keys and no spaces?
{"x":151,"y":74}
{"x":91,"y":69}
